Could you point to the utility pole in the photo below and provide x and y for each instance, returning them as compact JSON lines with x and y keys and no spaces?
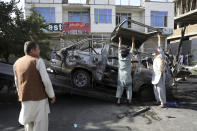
{"x":181,"y":42}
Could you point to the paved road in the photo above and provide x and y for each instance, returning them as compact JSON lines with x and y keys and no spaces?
{"x":95,"y":115}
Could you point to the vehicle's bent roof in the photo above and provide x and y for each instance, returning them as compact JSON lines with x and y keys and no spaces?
{"x":126,"y":34}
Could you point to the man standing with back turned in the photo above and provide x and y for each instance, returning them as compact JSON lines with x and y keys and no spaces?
{"x":124,"y":71}
{"x":33,"y":87}
{"x":158,"y":77}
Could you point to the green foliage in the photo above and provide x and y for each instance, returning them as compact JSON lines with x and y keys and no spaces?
{"x":15,"y":31}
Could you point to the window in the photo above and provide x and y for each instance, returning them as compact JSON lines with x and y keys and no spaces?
{"x":48,"y":14}
{"x":122,"y":16}
{"x":103,"y":15}
{"x":78,"y":17}
{"x":159,"y":19}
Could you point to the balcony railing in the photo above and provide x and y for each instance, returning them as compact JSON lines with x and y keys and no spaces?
{"x":115,"y":2}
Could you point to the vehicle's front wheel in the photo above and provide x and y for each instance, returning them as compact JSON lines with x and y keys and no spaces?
{"x":81,"y":79}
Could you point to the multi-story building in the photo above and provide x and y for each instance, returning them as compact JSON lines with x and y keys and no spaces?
{"x":99,"y":17}
{"x":185,"y":16}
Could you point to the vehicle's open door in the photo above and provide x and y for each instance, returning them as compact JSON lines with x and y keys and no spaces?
{"x":102,"y":64}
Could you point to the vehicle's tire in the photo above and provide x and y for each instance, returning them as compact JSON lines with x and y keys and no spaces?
{"x":81,"y":79}
{"x":146,"y":93}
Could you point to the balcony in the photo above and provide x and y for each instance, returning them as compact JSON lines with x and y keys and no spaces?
{"x":187,"y":18}
{"x":190,"y":31}
{"x":184,"y":7}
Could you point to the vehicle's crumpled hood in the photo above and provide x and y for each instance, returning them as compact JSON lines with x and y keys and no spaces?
{"x":126,"y":35}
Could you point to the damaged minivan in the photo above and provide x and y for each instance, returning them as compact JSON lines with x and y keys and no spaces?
{"x":89,"y":63}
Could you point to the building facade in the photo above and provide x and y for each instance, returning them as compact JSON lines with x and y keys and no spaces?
{"x":185,"y":16}
{"x":100,"y":17}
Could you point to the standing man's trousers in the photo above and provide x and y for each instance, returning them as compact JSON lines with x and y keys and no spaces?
{"x":120,"y":90}
{"x":124,"y":81}
{"x":38,"y":126}
{"x":34,"y":115}
{"x":160,"y":90}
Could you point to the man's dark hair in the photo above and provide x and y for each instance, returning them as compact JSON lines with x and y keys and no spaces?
{"x":29,"y":45}
{"x":124,"y":52}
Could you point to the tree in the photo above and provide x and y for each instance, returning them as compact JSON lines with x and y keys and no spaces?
{"x":6,"y":27}
{"x":32,"y":29}
{"x":15,"y":31}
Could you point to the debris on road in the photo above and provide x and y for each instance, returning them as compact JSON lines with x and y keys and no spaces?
{"x":145,"y":112}
{"x":153,"y":115}
{"x":149,"y":116}
{"x":170,"y":117}
{"x":132,"y":113}
{"x":172,"y":104}
{"x":120,"y":116}
{"x":176,"y":104}
{"x":141,"y":111}
{"x":182,"y":103}
{"x":147,"y":119}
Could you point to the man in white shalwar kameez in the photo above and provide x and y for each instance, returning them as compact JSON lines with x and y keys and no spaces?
{"x":158,"y":77}
{"x":33,"y":87}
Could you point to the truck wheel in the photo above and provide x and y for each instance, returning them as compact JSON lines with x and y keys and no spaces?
{"x":146,"y":93}
{"x":81,"y":79}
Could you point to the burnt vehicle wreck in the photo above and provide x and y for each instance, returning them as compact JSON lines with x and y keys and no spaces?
{"x":88,"y":63}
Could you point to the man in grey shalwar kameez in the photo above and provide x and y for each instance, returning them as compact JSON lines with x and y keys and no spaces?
{"x":124,"y":72}
{"x":158,"y":77}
